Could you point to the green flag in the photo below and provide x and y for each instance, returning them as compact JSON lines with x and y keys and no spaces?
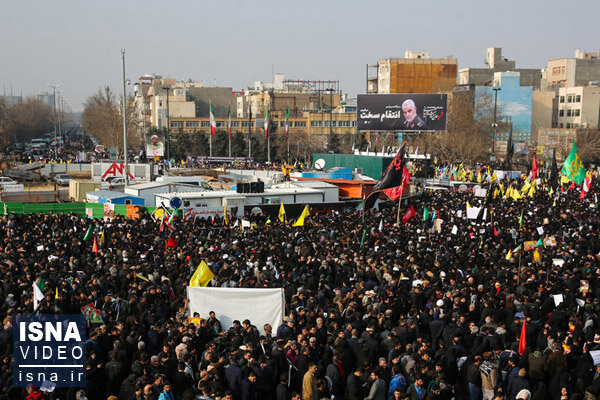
{"x":573,"y":166}
{"x":539,"y":243}
{"x":521,"y":220}
{"x":425,"y":214}
{"x":41,"y":283}
{"x":89,"y":234}
{"x":519,"y":247}
{"x":364,"y":236}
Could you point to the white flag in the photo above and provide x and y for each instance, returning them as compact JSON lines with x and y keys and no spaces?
{"x":37,"y":296}
{"x":381,"y":225}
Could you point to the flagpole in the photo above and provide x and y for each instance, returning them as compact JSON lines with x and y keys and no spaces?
{"x":210,"y":136}
{"x":399,"y":201}
{"x":287,"y":131}
{"x":249,"y":131}
{"x":267,"y":123}
{"x":229,"y":128}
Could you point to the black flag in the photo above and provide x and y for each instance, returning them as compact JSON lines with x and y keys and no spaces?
{"x":553,"y":180}
{"x":510,"y":149}
{"x":392,"y":177}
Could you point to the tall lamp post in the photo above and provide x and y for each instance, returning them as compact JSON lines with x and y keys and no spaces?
{"x":168,"y":138}
{"x":496,"y":89}
{"x":126,"y":172}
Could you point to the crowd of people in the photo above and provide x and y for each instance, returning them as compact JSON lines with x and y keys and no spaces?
{"x":430,"y":308}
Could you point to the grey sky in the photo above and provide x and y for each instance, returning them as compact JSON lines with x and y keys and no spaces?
{"x":77,"y":43}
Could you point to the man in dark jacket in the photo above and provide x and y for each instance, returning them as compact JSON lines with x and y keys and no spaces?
{"x":354,"y":385}
{"x":233,"y":374}
{"x":517,"y":384}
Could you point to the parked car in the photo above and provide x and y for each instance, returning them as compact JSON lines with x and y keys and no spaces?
{"x":5,"y":180}
{"x":62,"y":179}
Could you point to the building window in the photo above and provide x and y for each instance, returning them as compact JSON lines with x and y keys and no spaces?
{"x":560,"y":125}
{"x":176,"y":124}
{"x":568,"y":125}
{"x":569,"y":99}
{"x":569,"y":114}
{"x":300,"y":124}
{"x":562,"y":99}
{"x":326,"y":124}
{"x":561,"y":113}
{"x":576,"y":113}
{"x":192,"y":124}
{"x":246,"y":123}
{"x":578,"y":98}
{"x":344,"y":124}
{"x":315,"y":124}
{"x":354,"y":124}
{"x":334,"y":124}
{"x":220,"y":124}
{"x":205,"y":124}
{"x":235,"y":124}
{"x":282,"y":124}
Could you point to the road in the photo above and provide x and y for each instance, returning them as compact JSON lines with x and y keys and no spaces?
{"x":37,"y":196}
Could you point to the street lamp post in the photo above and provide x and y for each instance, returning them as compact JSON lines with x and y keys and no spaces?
{"x":168,"y":136}
{"x":126,"y":172}
{"x":496,"y":89}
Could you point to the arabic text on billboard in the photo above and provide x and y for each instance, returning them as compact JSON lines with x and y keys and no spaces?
{"x":402,"y":112}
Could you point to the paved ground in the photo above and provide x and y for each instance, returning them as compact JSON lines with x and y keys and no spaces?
{"x":37,"y":196}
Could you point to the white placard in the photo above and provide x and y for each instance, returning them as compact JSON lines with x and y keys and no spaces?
{"x":40,"y":247}
{"x":454,"y":230}
{"x":558,"y":298}
{"x":245,"y":224}
{"x":481,"y":193}
{"x":558,"y":262}
{"x":459,"y":213}
{"x":472,"y":212}
{"x":540,"y":230}
{"x":595,"y":356}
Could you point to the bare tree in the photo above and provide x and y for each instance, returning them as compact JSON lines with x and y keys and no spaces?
{"x":103,"y":119}
{"x":588,"y":145}
{"x":27,"y":120}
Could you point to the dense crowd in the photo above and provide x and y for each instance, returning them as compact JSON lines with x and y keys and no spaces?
{"x":374,"y":310}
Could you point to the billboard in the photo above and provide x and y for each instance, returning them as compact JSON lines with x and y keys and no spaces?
{"x":155,"y":145}
{"x":401,"y":112}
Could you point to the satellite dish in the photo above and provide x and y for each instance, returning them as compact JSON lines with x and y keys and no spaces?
{"x":320,"y":164}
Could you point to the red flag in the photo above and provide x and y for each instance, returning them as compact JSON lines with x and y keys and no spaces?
{"x":171,"y":242}
{"x":394,"y":193}
{"x":409,"y":214}
{"x":522,"y":340}
{"x":162,"y":224}
{"x":95,"y":246}
{"x":495,"y":232}
{"x":572,"y":186}
{"x":587,"y":183}
{"x":533,"y":169}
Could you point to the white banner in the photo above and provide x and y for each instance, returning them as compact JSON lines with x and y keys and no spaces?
{"x":260,"y":306}
{"x":14,"y":188}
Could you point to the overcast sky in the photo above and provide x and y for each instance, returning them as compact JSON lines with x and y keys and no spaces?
{"x":77,"y":43}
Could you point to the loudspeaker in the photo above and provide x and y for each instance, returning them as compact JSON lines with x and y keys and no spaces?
{"x":261,"y":187}
{"x":239,"y":188}
{"x":245,"y":188}
{"x":254,"y":187}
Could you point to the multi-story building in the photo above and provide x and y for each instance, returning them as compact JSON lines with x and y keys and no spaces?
{"x":582,"y":70}
{"x":579,"y":107}
{"x":416,"y":73}
{"x":496,"y":63}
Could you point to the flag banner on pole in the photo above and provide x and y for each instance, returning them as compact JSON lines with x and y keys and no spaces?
{"x":213,"y":123}
{"x":573,"y":166}
{"x":267,"y":123}
{"x":202,"y":276}
{"x":229,"y":122}
{"x":287,"y":121}
{"x":392,"y":178}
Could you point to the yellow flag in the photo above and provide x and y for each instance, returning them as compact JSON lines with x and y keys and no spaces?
{"x":536,"y":255}
{"x":281,"y":213}
{"x":564,"y":179}
{"x":501,"y":187}
{"x":225,"y":216}
{"x":202,"y":276}
{"x":551,"y":192}
{"x":531,"y":190}
{"x":525,"y":187}
{"x":509,"y":255}
{"x":305,"y":213}
{"x":102,"y":238}
{"x":468,"y":204}
{"x":479,"y":178}
{"x":496,"y":193}
{"x":554,"y":204}
{"x":494,"y":177}
{"x":142,"y":277}
{"x":56,"y":295}
{"x":516,"y":195}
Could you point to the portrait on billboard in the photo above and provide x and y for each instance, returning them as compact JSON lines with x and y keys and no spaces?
{"x":155,"y":145}
{"x":402,"y":112}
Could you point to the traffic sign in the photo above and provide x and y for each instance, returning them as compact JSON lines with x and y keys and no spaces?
{"x":175,"y":202}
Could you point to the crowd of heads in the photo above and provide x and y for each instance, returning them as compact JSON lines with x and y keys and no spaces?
{"x":374,"y":308}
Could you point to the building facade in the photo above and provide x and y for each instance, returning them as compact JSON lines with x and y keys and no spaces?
{"x":417,"y":73}
{"x":495,"y":62}
{"x":579,"y":107}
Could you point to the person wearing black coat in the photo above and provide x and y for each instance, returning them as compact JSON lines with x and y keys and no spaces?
{"x":354,"y":385}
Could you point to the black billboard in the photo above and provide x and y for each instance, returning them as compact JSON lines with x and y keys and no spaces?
{"x":401,"y":112}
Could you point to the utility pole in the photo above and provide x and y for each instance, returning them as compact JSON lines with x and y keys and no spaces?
{"x":126,"y":173}
{"x":168,"y":135}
